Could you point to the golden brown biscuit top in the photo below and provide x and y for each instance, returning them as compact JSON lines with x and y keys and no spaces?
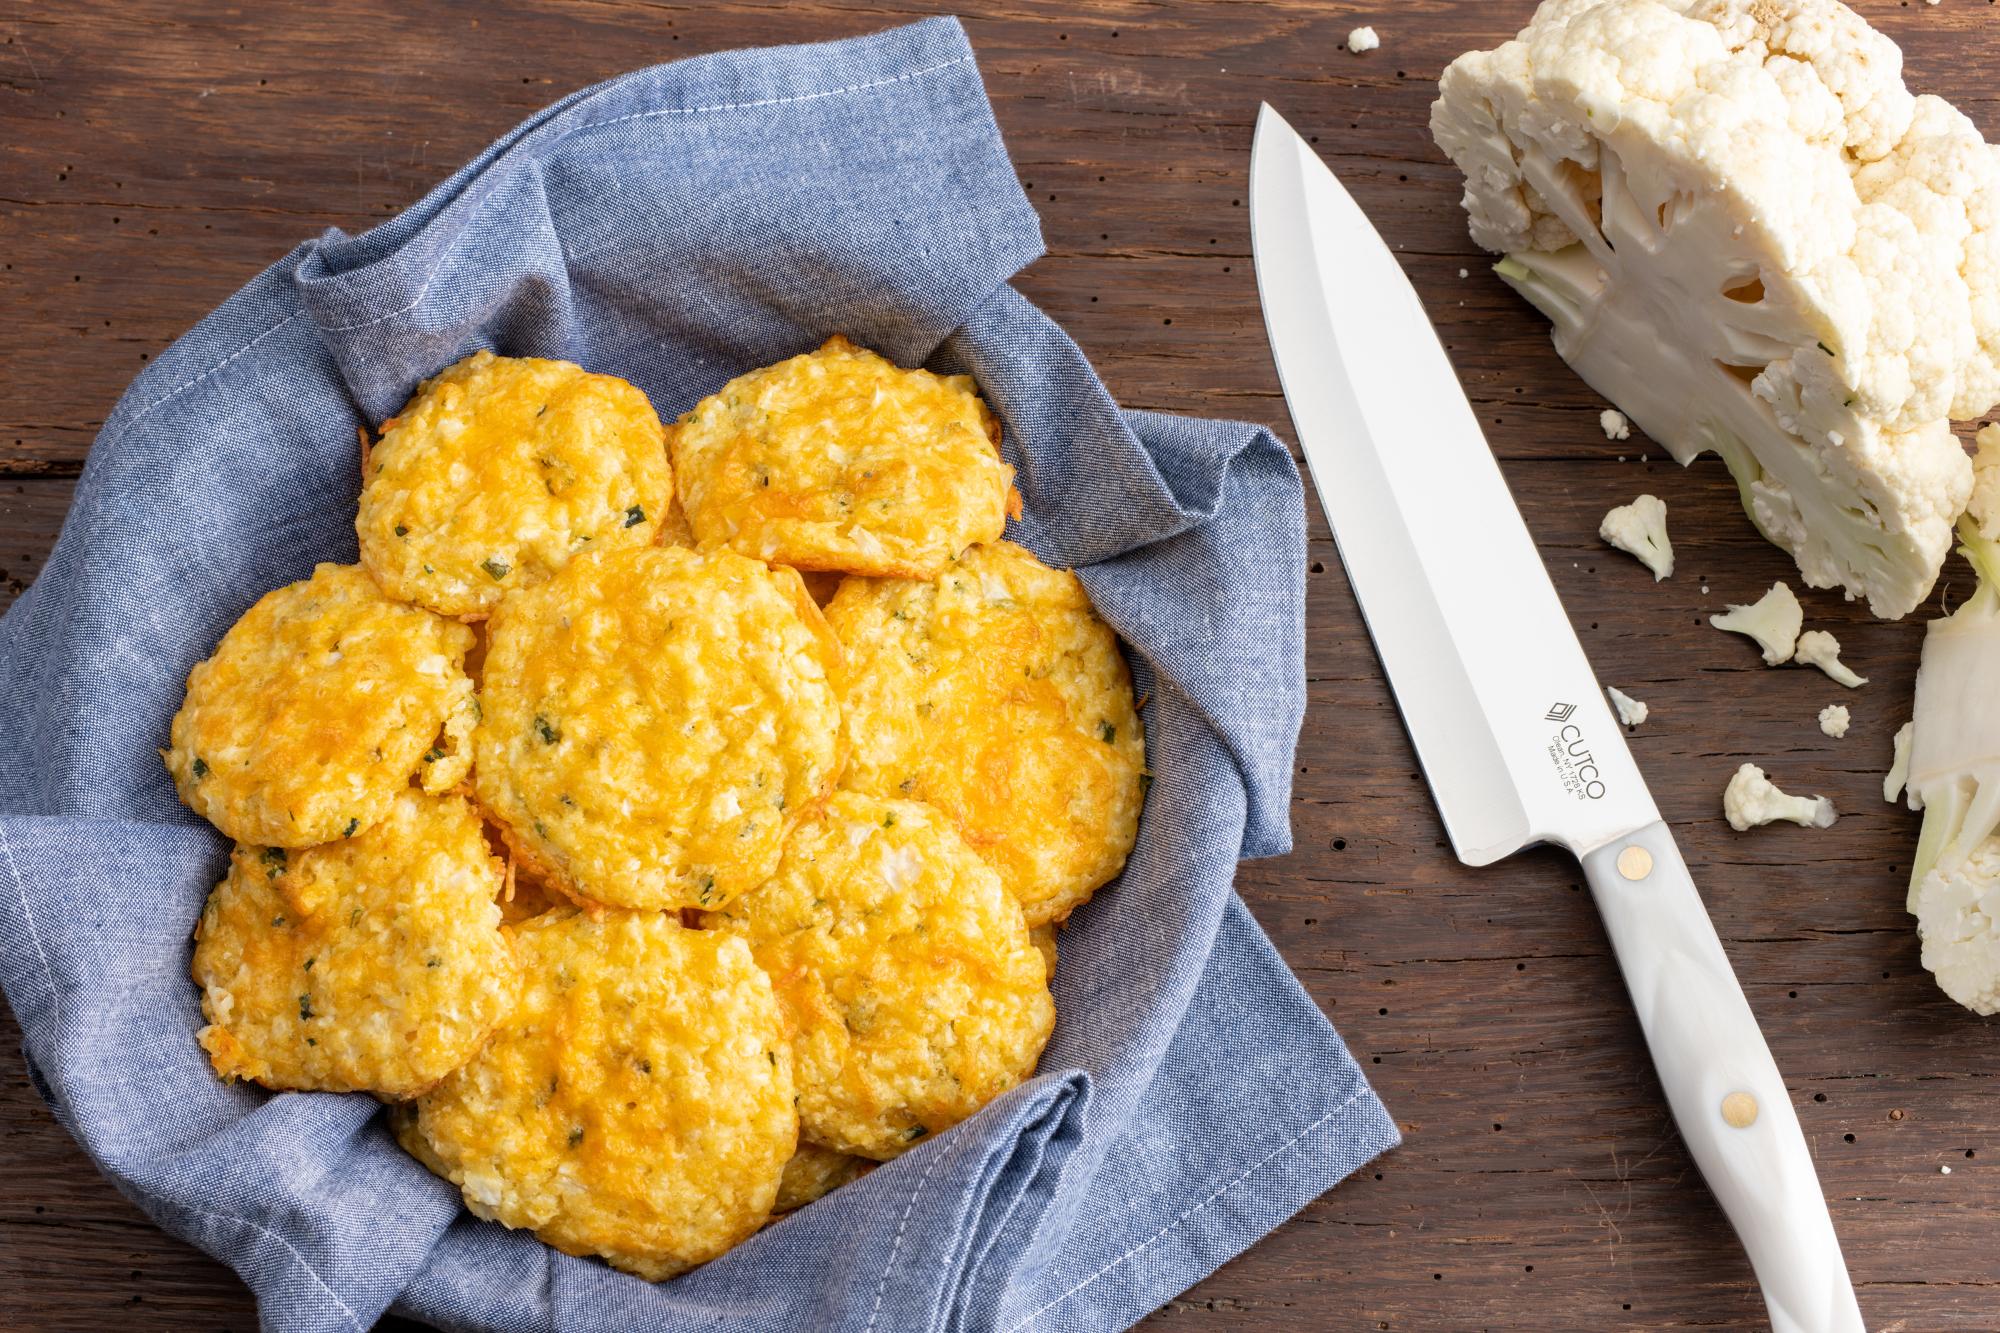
{"x":637,"y":1102}
{"x":376,"y":964}
{"x":655,"y":720}
{"x":842,"y":460}
{"x":502,"y":469}
{"x":317,"y":707}
{"x":995,"y":693}
{"x":906,"y":972}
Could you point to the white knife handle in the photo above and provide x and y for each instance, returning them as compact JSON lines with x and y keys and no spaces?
{"x":1727,"y":1096}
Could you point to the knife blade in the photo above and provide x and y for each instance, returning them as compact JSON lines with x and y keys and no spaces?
{"x":1514,"y":735}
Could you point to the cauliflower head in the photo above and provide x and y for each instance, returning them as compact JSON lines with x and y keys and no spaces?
{"x":1756,"y":241}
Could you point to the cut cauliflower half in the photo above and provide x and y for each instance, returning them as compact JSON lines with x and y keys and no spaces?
{"x":1950,"y":766}
{"x":1818,"y":648}
{"x":1953,"y":773}
{"x":1773,"y":620}
{"x":1752,"y":799}
{"x":1749,"y":235}
{"x":1640,"y":529}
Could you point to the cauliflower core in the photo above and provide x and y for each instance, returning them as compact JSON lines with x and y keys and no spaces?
{"x":1949,"y":755}
{"x":1751,"y":237}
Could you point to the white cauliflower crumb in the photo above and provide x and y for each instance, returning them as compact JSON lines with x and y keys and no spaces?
{"x":1773,"y":620}
{"x":1631,"y":712}
{"x":1465,"y":273}
{"x":1943,"y":1170}
{"x":1818,"y":648}
{"x":1640,"y":529}
{"x":1751,"y":799}
{"x":1615,"y":424}
{"x":1363,"y":39}
{"x":1833,"y":720}
{"x":1898,"y":775}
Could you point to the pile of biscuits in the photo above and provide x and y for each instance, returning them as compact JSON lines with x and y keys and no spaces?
{"x":656,"y":897}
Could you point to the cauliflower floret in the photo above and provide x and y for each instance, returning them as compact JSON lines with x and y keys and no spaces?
{"x":1958,"y":919}
{"x":1614,"y":424}
{"x":1363,"y":39}
{"x":1834,"y":720}
{"x":1640,"y":529}
{"x":1818,"y":648}
{"x":1752,"y":799}
{"x":1750,"y":236}
{"x":1631,"y":712}
{"x":1773,"y":620}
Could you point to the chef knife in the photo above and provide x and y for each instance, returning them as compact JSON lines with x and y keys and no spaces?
{"x":1514,"y":735}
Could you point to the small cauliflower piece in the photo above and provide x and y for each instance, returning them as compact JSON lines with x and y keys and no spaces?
{"x":1958,"y":920}
{"x":1615,"y":424}
{"x":1640,"y":529}
{"x":1363,"y":39}
{"x":1818,"y":648}
{"x":1748,"y":233}
{"x":1898,"y":775}
{"x":1834,"y":719}
{"x":1751,"y":799}
{"x":1631,"y":712}
{"x":1773,"y":620}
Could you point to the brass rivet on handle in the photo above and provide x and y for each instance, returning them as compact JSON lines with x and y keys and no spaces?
{"x":1635,"y":862}
{"x":1739,"y":1109}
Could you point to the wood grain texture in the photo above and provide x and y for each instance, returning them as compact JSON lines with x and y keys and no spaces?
{"x":153,"y":156}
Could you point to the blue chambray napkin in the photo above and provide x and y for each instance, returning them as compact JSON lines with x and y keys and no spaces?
{"x":676,"y":227}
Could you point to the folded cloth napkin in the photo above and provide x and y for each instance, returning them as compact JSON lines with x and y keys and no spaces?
{"x":677,"y":227}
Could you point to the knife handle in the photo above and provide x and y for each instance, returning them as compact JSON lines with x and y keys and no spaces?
{"x":1727,"y":1097}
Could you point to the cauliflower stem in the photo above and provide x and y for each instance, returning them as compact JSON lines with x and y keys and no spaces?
{"x":1951,"y":766}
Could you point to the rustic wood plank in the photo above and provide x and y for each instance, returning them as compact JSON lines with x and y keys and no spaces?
{"x":154,"y":155}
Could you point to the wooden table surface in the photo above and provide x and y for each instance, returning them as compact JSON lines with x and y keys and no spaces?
{"x":154,"y":156}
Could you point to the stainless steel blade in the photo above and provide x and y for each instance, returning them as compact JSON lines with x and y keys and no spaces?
{"x":1514,"y":735}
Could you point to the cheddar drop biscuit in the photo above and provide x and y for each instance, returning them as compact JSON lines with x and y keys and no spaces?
{"x":376,"y":964}
{"x":317,"y":708}
{"x":815,"y":1172}
{"x":499,"y":472}
{"x":908,"y":981}
{"x":636,"y":1103}
{"x":841,"y":460}
{"x":995,"y":693}
{"x":655,"y":720}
